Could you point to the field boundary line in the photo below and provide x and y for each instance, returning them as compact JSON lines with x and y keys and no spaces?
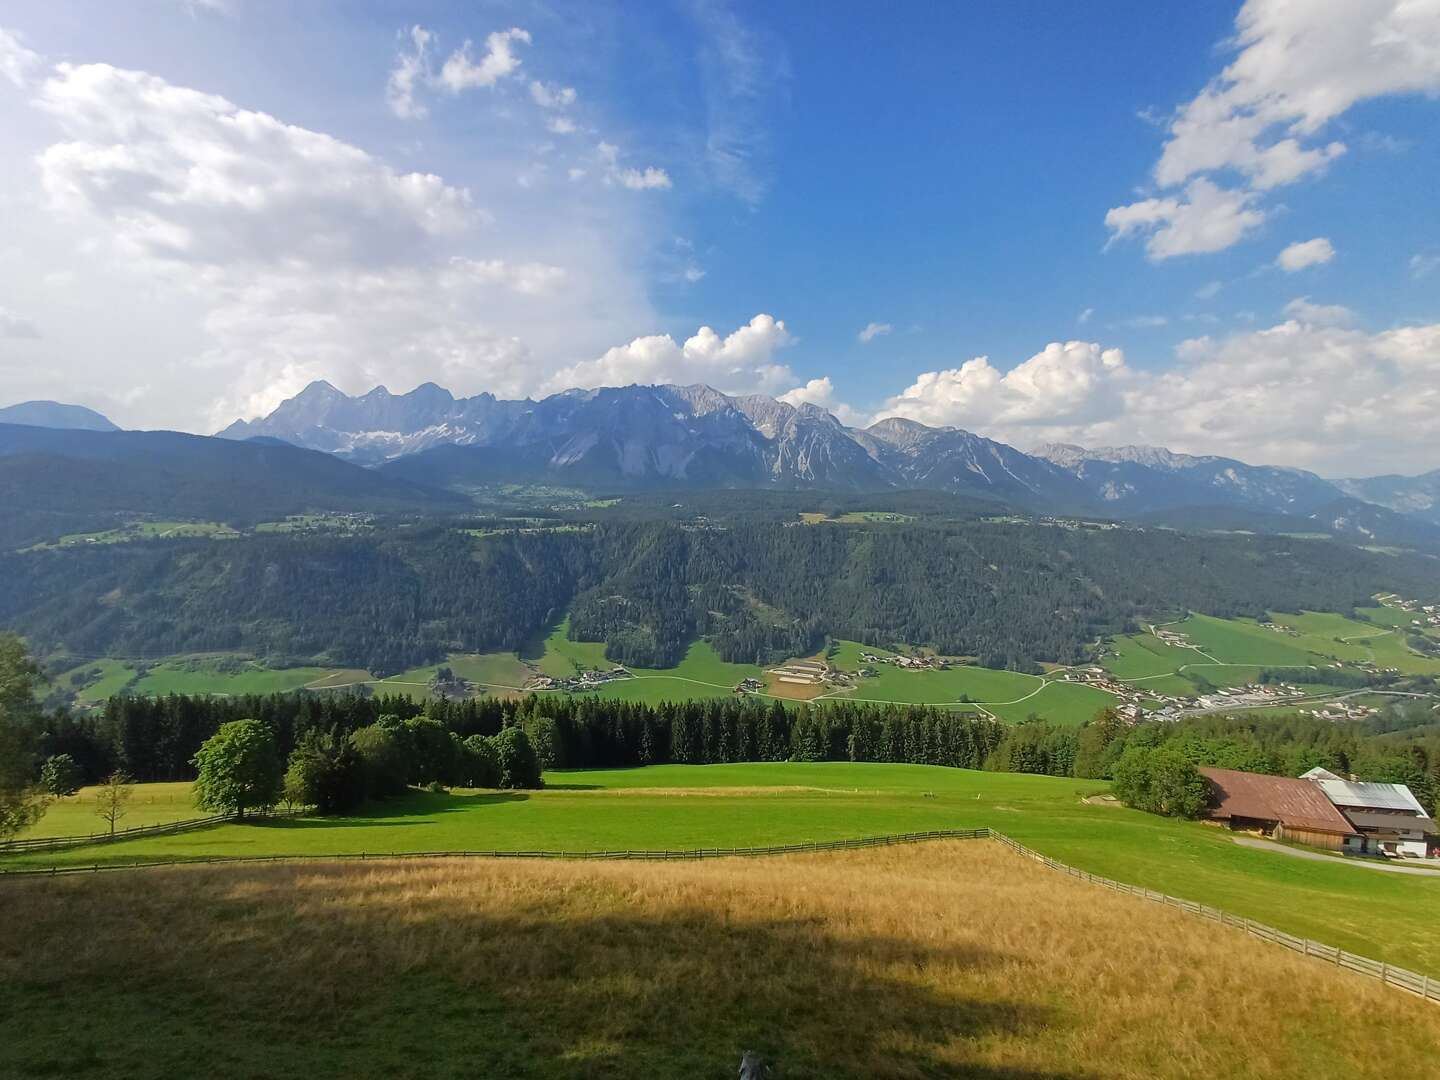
{"x":1388,"y":974}
{"x":134,"y":832}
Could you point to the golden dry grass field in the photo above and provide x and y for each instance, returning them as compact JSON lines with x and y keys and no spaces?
{"x":935,"y":960}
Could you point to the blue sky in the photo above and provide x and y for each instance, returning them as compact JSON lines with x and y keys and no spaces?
{"x":1060,"y":222}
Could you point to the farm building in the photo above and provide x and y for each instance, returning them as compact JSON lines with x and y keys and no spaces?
{"x":1388,"y":817}
{"x":1279,"y":807}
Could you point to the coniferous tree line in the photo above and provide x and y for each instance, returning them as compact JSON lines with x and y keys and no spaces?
{"x":1009,"y":594}
{"x":157,"y":738}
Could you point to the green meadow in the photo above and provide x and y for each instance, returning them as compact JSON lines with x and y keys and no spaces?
{"x":1383,"y":915}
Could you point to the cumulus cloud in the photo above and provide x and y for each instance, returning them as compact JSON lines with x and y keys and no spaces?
{"x":873,"y":330}
{"x":1298,"y":256}
{"x":13,"y":326}
{"x":414,"y":68}
{"x":821,"y":392}
{"x":1302,"y":310}
{"x":17,"y":63}
{"x":1298,"y":66}
{"x":186,"y":176}
{"x":1306,"y":393}
{"x":304,"y":257}
{"x":1074,"y":382}
{"x":1203,"y":219}
{"x":741,"y":362}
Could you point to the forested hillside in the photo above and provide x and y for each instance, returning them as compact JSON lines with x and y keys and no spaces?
{"x":1010,"y":594}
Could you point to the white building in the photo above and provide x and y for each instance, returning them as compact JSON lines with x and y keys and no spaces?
{"x":1388,"y":817}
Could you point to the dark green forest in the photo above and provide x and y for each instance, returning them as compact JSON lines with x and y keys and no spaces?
{"x":1011,"y":594}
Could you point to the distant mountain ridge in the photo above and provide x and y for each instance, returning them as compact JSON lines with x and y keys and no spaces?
{"x":697,"y":437}
{"x":55,"y":414}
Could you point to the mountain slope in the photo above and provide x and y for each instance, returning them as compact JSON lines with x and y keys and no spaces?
{"x":65,"y":481}
{"x":55,"y":414}
{"x":1417,"y":496}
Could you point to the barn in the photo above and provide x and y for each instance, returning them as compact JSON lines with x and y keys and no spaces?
{"x":1278,"y":807}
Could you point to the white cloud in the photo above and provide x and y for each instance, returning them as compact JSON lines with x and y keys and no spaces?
{"x":1073,"y":382}
{"x":821,"y":392}
{"x":1209,"y":290}
{"x":411,"y":69}
{"x":1085,"y":316}
{"x":1302,"y":393}
{"x":461,"y":72}
{"x":1144,"y":322}
{"x":296,"y":256}
{"x":693,"y":274}
{"x":1302,"y":310}
{"x":741,"y":362}
{"x":1298,"y":66}
{"x":186,"y":176}
{"x":872,"y":331}
{"x":414,"y":69}
{"x":1298,"y":256}
{"x":560,"y":125}
{"x":17,"y":63}
{"x":1205,"y":218}
{"x":1423,"y":265}
{"x":643,"y":179}
{"x":13,"y":326}
{"x":552,"y":95}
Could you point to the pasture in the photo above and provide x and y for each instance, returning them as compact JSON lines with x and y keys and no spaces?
{"x":1385,"y":916}
{"x":150,"y":804}
{"x":949,"y":959}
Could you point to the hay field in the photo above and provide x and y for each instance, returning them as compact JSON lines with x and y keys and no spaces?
{"x":949,"y":959}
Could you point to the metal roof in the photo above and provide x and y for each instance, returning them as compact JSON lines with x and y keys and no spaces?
{"x":1381,"y":822}
{"x":1318,"y":773}
{"x":1299,"y":804}
{"x":1344,"y":793}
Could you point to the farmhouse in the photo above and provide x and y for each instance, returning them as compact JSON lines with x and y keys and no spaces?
{"x":1278,"y":807}
{"x":1388,"y":817}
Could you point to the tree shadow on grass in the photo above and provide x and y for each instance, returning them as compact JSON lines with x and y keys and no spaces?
{"x":436,"y":982}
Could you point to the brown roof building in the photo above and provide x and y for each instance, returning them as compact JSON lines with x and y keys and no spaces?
{"x":1277,"y":806}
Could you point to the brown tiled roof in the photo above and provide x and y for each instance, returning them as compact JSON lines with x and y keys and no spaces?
{"x":1298,"y":804}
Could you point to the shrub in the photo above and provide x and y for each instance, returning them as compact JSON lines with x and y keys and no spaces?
{"x":383,"y":759}
{"x":517,"y":764}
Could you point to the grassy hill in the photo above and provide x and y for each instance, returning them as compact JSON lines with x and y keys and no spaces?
{"x":945,"y":960}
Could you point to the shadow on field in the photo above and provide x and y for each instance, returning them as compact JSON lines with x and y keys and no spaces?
{"x":490,"y":975}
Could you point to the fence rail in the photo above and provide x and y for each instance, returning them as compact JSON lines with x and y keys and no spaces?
{"x":1388,"y":974}
{"x":1420,"y":985}
{"x":58,"y":843}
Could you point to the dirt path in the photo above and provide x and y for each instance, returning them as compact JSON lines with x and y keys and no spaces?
{"x":1283,"y":849}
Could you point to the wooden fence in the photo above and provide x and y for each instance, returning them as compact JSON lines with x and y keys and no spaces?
{"x":58,"y":843}
{"x":1421,"y":985}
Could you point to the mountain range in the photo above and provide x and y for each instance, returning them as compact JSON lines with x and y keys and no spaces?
{"x":696,"y":437}
{"x":325,"y":449}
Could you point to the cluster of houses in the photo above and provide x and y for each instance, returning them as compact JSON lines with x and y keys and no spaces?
{"x":1425,"y":614}
{"x":909,"y":663}
{"x":580,"y":682}
{"x":749,"y":686}
{"x":1172,"y":638}
{"x":1340,"y":710}
{"x":1323,"y":810}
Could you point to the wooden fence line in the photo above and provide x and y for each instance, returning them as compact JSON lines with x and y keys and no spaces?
{"x":1388,"y":974}
{"x":57,"y":843}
